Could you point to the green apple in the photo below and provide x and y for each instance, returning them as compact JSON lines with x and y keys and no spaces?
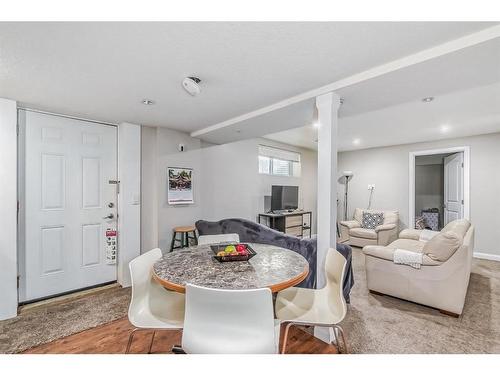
{"x":230,"y":249}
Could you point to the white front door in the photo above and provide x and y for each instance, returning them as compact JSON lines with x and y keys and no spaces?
{"x":68,"y":166}
{"x":453,"y":187}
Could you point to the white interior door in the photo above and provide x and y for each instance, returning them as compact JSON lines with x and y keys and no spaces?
{"x":68,"y":165}
{"x":453,"y":187}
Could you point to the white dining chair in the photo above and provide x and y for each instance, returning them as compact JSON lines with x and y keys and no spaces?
{"x":152,"y":307}
{"x":324,"y":307}
{"x":218,"y":238}
{"x":221,"y":321}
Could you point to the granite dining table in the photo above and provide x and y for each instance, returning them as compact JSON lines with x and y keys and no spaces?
{"x":272,"y":267}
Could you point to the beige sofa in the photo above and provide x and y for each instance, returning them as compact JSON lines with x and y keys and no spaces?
{"x":443,"y":278}
{"x":351,"y":231}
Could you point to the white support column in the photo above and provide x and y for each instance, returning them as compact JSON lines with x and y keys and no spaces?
{"x":8,"y":209}
{"x":327,"y":105}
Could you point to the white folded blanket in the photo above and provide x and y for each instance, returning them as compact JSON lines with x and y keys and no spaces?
{"x":427,"y":234}
{"x":407,"y":257}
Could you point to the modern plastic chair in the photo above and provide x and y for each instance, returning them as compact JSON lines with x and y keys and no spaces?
{"x":324,"y":307}
{"x":218,"y":238}
{"x":152,"y":307}
{"x":220,"y":321}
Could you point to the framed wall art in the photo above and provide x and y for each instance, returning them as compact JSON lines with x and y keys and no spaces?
{"x":180,"y":185}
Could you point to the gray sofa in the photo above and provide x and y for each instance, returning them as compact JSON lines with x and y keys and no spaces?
{"x":250,"y":231}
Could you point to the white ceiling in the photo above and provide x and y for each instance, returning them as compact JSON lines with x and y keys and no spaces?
{"x":461,"y":113}
{"x":103,"y":70}
{"x":470,"y":67}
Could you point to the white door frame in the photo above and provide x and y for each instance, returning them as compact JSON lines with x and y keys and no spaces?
{"x":411,"y":185}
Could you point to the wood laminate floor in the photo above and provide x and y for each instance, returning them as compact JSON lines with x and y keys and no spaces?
{"x":111,"y":338}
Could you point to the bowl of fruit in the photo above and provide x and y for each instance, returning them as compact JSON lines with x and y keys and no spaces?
{"x":232,"y":252}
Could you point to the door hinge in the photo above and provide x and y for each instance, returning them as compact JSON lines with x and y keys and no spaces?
{"x":17,"y":128}
{"x":18,"y":281}
{"x":462,"y":201}
{"x":462,"y":165}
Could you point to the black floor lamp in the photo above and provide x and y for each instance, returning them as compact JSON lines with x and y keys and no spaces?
{"x":348,"y":176}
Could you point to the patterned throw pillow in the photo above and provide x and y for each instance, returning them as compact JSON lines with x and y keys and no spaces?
{"x":372,"y":219}
{"x":420,"y":223}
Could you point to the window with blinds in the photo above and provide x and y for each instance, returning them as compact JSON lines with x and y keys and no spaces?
{"x":278,"y":162}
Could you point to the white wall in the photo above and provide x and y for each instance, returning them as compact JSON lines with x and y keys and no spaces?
{"x":160,"y":151}
{"x":149,"y":189}
{"x":129,"y":198}
{"x":225,"y":179}
{"x":8,"y":209}
{"x":387,"y":168}
{"x":236,"y":188}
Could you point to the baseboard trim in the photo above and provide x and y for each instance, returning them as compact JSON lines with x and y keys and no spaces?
{"x":487,"y":256}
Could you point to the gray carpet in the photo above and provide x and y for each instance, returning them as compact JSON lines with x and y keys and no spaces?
{"x":374,"y":324}
{"x":47,"y":323}
{"x":383,"y":324}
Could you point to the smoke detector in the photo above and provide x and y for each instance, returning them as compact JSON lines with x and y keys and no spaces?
{"x":191,"y":85}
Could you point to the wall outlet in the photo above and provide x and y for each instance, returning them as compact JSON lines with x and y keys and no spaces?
{"x":371,"y":187}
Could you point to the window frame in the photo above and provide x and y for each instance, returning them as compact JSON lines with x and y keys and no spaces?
{"x":290,"y":167}
{"x":271,"y":167}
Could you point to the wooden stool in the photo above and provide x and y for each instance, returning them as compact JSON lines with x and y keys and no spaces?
{"x":185,"y":237}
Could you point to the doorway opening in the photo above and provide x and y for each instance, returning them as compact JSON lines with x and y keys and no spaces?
{"x":439,"y":187}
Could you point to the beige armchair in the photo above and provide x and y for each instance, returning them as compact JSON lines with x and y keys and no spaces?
{"x":443,"y":278}
{"x":352,"y":232}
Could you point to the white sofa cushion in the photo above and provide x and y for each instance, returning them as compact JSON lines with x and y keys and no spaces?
{"x":363,"y":233}
{"x":350,"y":224}
{"x":459,"y":227}
{"x":410,"y":234}
{"x":387,"y":252}
{"x":407,"y":244}
{"x":442,"y":246}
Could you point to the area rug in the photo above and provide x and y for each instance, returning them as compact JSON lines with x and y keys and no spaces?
{"x":383,"y":324}
{"x":46,"y":323}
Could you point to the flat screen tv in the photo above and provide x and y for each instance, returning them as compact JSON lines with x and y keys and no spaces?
{"x":284,"y":198}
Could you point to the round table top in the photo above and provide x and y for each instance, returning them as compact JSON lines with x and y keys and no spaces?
{"x":272,"y":267}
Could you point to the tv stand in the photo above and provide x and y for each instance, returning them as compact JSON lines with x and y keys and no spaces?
{"x":291,"y":223}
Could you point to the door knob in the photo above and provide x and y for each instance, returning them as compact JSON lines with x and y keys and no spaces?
{"x":110,"y":216}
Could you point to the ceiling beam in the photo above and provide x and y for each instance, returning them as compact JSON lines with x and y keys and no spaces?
{"x":416,"y":58}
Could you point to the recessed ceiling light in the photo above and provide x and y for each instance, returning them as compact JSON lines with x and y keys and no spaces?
{"x":444,"y":128}
{"x":147,"y":102}
{"x":356,"y":141}
{"x":428,"y":99}
{"x":316,"y":124}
